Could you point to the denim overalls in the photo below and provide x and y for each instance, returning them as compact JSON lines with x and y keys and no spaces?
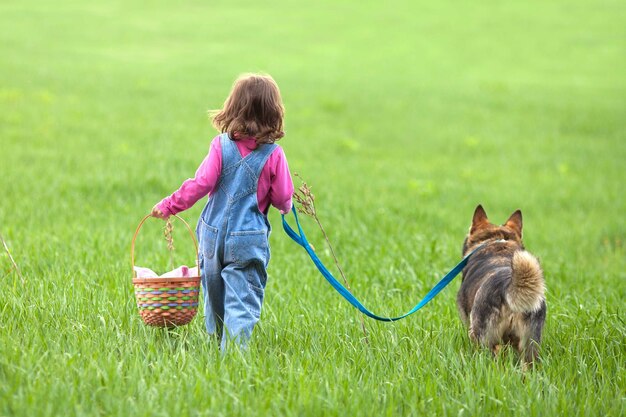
{"x":234,"y":246}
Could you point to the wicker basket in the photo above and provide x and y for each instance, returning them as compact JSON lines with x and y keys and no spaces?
{"x":166,"y":302}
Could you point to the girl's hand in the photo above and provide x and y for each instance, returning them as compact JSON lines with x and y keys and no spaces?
{"x":156,"y":212}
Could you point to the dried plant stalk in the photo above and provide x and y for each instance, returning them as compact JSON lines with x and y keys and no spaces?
{"x":15,"y":267}
{"x":305,"y":198}
{"x":167,"y":232}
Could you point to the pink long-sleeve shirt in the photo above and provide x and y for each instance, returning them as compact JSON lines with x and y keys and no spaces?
{"x":275,"y":186}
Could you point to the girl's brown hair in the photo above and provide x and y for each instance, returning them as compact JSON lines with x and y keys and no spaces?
{"x":253,"y":108}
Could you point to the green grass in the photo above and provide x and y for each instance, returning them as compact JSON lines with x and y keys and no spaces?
{"x":402,"y":115}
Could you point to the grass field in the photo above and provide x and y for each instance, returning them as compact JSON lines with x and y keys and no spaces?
{"x":403,"y":116}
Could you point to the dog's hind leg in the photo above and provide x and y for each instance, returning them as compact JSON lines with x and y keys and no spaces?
{"x":471,"y":334}
{"x":529,"y":354}
{"x":478,"y":329}
{"x":484,"y":321}
{"x":483,"y":335}
{"x":529,"y":328}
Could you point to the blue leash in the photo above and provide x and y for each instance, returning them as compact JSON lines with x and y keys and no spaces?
{"x":301,"y":240}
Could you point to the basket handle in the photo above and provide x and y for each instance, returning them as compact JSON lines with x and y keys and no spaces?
{"x":132,"y":246}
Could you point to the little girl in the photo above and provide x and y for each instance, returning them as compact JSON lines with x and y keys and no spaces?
{"x":244,"y":172}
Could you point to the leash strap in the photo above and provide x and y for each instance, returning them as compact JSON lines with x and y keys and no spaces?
{"x":301,"y":240}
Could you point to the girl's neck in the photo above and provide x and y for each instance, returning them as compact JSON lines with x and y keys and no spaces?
{"x":248,"y":141}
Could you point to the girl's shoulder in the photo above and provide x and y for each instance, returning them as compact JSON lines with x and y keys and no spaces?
{"x":216,"y":144}
{"x":217,"y":139}
{"x":278,"y":150}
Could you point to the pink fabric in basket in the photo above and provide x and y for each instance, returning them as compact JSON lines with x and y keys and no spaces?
{"x":180,"y":272}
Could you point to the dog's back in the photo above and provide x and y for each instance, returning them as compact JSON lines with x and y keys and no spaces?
{"x":501,"y":298}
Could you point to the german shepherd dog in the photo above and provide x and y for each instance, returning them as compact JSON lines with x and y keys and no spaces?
{"x":501,"y":298}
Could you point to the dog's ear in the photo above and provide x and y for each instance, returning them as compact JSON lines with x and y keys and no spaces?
{"x":480,"y":219}
{"x":515,"y":222}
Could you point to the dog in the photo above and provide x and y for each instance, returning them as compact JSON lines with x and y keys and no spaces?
{"x":502,"y":295}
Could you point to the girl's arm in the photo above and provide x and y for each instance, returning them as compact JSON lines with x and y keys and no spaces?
{"x":193,"y":189}
{"x":281,"y":189}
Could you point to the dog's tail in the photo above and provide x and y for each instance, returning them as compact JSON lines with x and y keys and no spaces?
{"x":526,"y":292}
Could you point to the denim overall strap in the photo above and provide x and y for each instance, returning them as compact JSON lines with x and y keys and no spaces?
{"x":255,"y":160}
{"x":249,"y":168}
